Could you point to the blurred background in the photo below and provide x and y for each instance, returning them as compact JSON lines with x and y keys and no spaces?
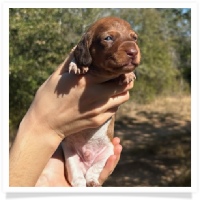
{"x":155,"y":124}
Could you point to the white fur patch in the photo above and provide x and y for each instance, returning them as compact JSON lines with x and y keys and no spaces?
{"x":86,"y":153}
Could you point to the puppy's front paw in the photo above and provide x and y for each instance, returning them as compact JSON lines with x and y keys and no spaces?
{"x":77,"y":70}
{"x":93,"y":183}
{"x":126,"y":78}
{"x":73,"y":68}
{"x":79,"y":182}
{"x":92,"y":177}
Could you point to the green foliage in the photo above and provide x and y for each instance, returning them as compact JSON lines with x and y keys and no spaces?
{"x":32,"y":56}
{"x":40,"y":39}
{"x":165,"y":59}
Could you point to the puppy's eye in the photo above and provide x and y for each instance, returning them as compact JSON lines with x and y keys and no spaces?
{"x":108,"y":38}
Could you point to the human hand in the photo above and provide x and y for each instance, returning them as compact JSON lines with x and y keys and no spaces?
{"x":63,"y":105}
{"x":54,"y":173}
{"x":67,"y":103}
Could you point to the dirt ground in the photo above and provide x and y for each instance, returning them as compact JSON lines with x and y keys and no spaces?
{"x":156,"y":140}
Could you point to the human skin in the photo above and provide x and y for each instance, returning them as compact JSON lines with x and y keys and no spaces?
{"x":64,"y":104}
{"x":56,"y":167}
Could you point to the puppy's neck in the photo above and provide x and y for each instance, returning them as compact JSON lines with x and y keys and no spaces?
{"x":102,"y":75}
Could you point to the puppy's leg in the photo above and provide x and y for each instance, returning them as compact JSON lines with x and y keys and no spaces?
{"x":75,"y":169}
{"x":126,"y":78}
{"x":93,"y":173}
{"x":75,"y":69}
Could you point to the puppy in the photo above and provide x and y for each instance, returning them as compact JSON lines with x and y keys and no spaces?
{"x":107,"y":50}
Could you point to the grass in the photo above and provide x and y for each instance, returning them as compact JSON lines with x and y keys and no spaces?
{"x":156,"y":140}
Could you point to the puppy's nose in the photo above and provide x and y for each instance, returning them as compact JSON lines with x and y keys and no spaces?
{"x":132,"y":52}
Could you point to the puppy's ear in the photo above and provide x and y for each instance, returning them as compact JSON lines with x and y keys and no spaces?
{"x":82,"y":53}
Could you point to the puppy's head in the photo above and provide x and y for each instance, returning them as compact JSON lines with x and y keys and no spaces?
{"x":109,"y":47}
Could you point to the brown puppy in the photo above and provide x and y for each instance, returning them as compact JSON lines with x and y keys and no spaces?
{"x":108,"y":50}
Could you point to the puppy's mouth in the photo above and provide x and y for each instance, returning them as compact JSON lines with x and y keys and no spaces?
{"x":129,"y":67}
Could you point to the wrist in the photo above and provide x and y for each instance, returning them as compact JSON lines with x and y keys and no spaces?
{"x":31,"y":124}
{"x":33,"y":146}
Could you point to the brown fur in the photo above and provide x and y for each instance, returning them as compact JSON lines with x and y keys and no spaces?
{"x":108,"y":58}
{"x":115,"y":57}
{"x":110,"y":131}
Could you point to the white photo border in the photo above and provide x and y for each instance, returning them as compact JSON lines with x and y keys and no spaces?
{"x":91,"y":4}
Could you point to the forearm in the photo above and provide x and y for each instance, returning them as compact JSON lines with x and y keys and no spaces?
{"x":30,"y":152}
{"x":63,"y":105}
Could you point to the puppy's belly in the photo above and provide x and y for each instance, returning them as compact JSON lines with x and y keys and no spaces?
{"x":89,"y":144}
{"x":86,"y":153}
{"x":89,"y":153}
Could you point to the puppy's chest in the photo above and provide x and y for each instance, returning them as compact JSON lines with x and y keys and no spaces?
{"x":89,"y":144}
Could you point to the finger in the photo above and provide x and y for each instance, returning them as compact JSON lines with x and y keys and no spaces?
{"x":111,"y":162}
{"x":109,"y":167}
{"x":116,"y":141}
{"x":110,"y":89}
{"x":117,"y":151}
{"x":107,"y":110}
{"x":113,"y":103}
{"x":117,"y":100}
{"x":100,"y":119}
